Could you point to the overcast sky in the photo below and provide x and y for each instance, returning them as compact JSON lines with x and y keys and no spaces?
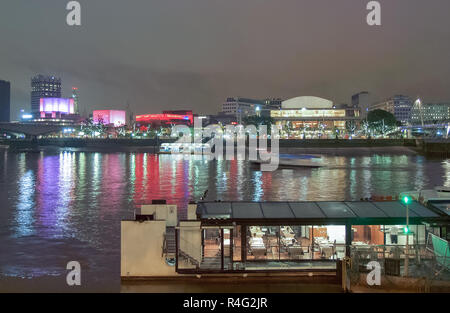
{"x":192,"y":54}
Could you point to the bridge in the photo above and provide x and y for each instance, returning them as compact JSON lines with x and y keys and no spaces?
{"x":32,"y":129}
{"x":434,"y":128}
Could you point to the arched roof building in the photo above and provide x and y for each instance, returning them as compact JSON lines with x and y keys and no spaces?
{"x":307,"y":102}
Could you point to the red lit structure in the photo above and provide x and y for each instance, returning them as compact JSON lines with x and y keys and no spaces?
{"x":167,"y":118}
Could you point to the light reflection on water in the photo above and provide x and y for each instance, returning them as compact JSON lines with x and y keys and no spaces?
{"x":63,"y":206}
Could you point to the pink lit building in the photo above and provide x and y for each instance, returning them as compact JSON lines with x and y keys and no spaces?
{"x":107,"y":117}
{"x":56,"y":106}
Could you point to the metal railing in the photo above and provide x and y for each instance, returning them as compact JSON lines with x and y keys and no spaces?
{"x":184,"y":248}
{"x":416,"y":266}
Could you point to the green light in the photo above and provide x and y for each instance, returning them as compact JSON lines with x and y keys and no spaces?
{"x":406,"y":199}
{"x":406,"y":230}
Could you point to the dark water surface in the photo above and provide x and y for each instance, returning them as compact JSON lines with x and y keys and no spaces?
{"x":58,"y":206}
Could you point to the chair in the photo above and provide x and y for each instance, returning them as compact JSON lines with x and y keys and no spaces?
{"x":295,"y":252}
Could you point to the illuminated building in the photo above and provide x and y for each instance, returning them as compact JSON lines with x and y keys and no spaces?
{"x":400,"y":106}
{"x":43,"y":87}
{"x":165,"y":119}
{"x":238,"y":105}
{"x":62,"y":105}
{"x":56,"y":109}
{"x":5,"y":101}
{"x":110,"y":117}
{"x":309,"y":114}
{"x":430,"y":113}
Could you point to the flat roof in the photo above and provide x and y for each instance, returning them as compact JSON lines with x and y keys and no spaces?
{"x":442,"y":206}
{"x":344,"y":211}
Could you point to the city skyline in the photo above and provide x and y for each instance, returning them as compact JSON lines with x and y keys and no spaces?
{"x":225,"y":151}
{"x":171,"y":61}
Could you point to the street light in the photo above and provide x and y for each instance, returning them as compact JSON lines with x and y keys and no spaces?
{"x":407,"y":200}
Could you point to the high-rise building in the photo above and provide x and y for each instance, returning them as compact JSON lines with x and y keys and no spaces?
{"x":43,"y":87}
{"x":400,"y":106}
{"x":361,"y":100}
{"x":75,"y":99}
{"x":5,"y":101}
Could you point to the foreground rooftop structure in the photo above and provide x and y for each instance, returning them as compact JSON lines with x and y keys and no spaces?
{"x":276,"y":237}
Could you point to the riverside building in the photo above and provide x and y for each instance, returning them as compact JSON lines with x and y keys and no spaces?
{"x":400,"y":106}
{"x":312,"y":117}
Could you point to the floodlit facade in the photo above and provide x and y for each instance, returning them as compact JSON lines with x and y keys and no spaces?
{"x":109,"y":117}
{"x":308,"y":116}
{"x":56,"y":109}
{"x":61,"y":105}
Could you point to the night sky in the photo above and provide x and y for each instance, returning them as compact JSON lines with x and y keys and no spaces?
{"x":192,"y":54}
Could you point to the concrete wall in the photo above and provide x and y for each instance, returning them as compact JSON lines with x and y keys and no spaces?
{"x":437,"y":147}
{"x":324,"y":143}
{"x":141,"y":250}
{"x":192,"y":212}
{"x":166,"y":212}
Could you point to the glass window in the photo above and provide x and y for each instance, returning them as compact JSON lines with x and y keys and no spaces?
{"x":329,"y":242}
{"x":237,"y":249}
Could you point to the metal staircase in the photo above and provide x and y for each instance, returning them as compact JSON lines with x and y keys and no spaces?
{"x":187,"y":257}
{"x":169,"y":245}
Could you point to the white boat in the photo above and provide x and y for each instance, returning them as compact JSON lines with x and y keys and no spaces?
{"x":423,"y":196}
{"x":300,"y":161}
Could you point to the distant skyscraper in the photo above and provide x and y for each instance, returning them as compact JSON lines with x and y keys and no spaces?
{"x":361,"y":100}
{"x":43,"y":87}
{"x":398,"y":105}
{"x":5,"y":101}
{"x":75,"y":99}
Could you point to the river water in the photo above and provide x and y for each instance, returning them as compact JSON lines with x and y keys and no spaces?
{"x":58,"y":205}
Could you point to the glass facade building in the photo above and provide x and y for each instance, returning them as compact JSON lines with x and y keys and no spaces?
{"x":302,"y":236}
